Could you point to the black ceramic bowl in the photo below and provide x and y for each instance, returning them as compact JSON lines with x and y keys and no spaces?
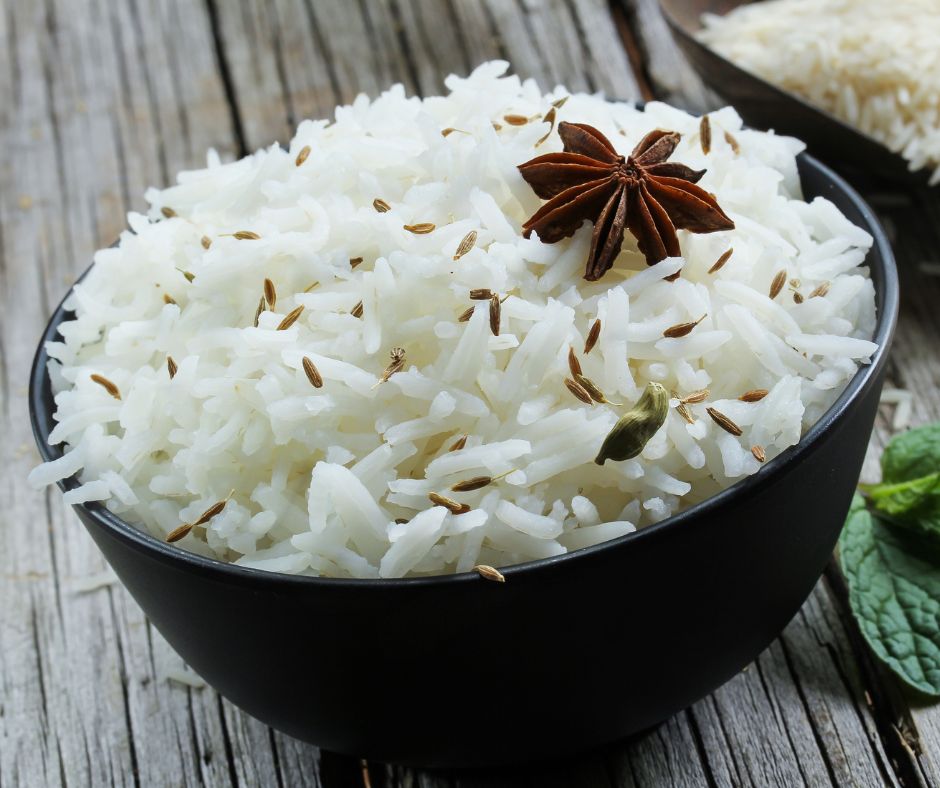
{"x":568,"y":653}
{"x":765,"y":106}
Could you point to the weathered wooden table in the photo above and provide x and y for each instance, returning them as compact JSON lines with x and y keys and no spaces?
{"x":99,"y":99}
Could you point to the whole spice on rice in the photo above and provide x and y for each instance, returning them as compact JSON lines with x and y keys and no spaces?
{"x":396,"y":365}
{"x":477,"y":482}
{"x":821,"y":290}
{"x":573,"y":364}
{"x":695,"y":397}
{"x":550,"y":119}
{"x":683,"y":410}
{"x":489,"y":573}
{"x":258,"y":311}
{"x":171,"y":367}
{"x":420,"y":229}
{"x":593,"y":390}
{"x":495,"y":310}
{"x":466,"y":244}
{"x":168,"y":212}
{"x":354,"y":261}
{"x":777,"y":284}
{"x":106,"y":384}
{"x":623,"y":191}
{"x":168,"y":299}
{"x":682,"y":329}
{"x":270,"y":294}
{"x":635,"y":428}
{"x":559,"y":103}
{"x":458,"y":444}
{"x":481,"y":294}
{"x":732,"y":141}
{"x":466,"y":315}
{"x":758,"y":452}
{"x":290,"y":318}
{"x":188,"y":275}
{"x":178,"y":533}
{"x":380,"y":205}
{"x":302,"y":156}
{"x":705,"y":134}
{"x":206,"y":242}
{"x":721,"y":261}
{"x":723,"y":421}
{"x":246,"y":235}
{"x":592,"y":336}
{"x":454,"y":507}
{"x":754,"y":395}
{"x":579,"y":391}
{"x":797,"y":297}
{"x":312,"y":373}
{"x":516,"y":120}
{"x":357,"y":310}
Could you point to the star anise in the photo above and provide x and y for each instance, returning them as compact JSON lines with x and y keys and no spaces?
{"x":641,"y":192}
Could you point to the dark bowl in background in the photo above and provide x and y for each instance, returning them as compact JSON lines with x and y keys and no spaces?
{"x":567,"y":654}
{"x":763,"y":105}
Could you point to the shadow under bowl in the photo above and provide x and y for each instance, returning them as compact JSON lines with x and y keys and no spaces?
{"x":567,"y":654}
{"x":763,"y":105}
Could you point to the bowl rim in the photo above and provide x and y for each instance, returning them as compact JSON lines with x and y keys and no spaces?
{"x":144,"y":542}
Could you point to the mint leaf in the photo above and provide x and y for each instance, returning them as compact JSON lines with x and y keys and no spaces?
{"x":893,"y":577}
{"x":912,"y":455}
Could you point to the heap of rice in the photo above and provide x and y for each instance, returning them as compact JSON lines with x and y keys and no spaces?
{"x":874,"y":64}
{"x":335,"y":480}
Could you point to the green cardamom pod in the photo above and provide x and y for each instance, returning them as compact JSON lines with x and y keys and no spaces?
{"x":634,"y":429}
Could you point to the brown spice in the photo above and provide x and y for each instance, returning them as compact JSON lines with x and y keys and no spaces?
{"x":732,"y":141}
{"x":758,"y":452}
{"x":495,"y":311}
{"x":466,"y":244}
{"x":168,"y":212}
{"x":188,"y":275}
{"x":302,"y":156}
{"x":308,"y":289}
{"x":422,"y":228}
{"x":270,"y":294}
{"x":820,"y":290}
{"x":481,"y":294}
{"x":723,"y":421}
{"x":246,"y":235}
{"x":258,"y":311}
{"x":168,"y":299}
{"x":489,"y":573}
{"x":695,"y":397}
{"x":171,"y":367}
{"x":458,"y":444}
{"x":797,"y":297}
{"x":754,"y":395}
{"x":705,"y":134}
{"x":465,"y":315}
{"x":716,"y":266}
{"x":380,"y":205}
{"x":206,"y":242}
{"x":579,"y":391}
{"x":682,"y":329}
{"x":354,"y":261}
{"x":683,"y":410}
{"x":357,"y":310}
{"x":559,"y":103}
{"x":516,"y":120}
{"x":179,"y":532}
{"x":592,"y":336}
{"x":107,"y":385}
{"x":550,"y":118}
{"x":312,"y":373}
{"x":469,"y":485}
{"x":290,"y":318}
{"x":573,"y":364}
{"x":777,"y":284}
{"x":396,"y":365}
{"x":454,"y":507}
{"x":594,"y":390}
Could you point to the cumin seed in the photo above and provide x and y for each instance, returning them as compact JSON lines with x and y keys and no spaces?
{"x":682,"y":329}
{"x":290,"y":318}
{"x":723,"y":421}
{"x":559,"y":103}
{"x":308,"y":289}
{"x":683,"y":410}
{"x":732,"y":141}
{"x":397,"y":362}
{"x":246,"y":235}
{"x":302,"y":156}
{"x":168,"y":212}
{"x":401,"y":520}
{"x":496,"y":126}
{"x":206,"y":242}
{"x":466,"y":315}
{"x":106,"y":384}
{"x":579,"y":391}
{"x":454,"y":507}
{"x":469,"y":485}
{"x":380,"y":205}
{"x":777,"y":284}
{"x":312,"y":373}
{"x":179,"y":532}
{"x":725,"y":256}
{"x":354,"y":261}
{"x":754,"y":395}
{"x":357,"y":310}
{"x":188,"y":275}
{"x":258,"y":311}
{"x":495,"y":312}
{"x":489,"y":573}
{"x":171,"y":367}
{"x":797,"y":297}
{"x":705,"y":134}
{"x":270,"y":294}
{"x":458,"y":444}
{"x":481,"y":294}
{"x":592,"y":336}
{"x":573,"y":364}
{"x":594,"y":390}
{"x":516,"y":120}
{"x":695,"y":397}
{"x":422,"y":228}
{"x":820,"y":290}
{"x":211,"y":512}
{"x":758,"y":452}
{"x":466,"y":244}
{"x":168,"y":299}
{"x":550,"y":118}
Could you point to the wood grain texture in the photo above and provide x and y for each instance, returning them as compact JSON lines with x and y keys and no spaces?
{"x":106,"y":97}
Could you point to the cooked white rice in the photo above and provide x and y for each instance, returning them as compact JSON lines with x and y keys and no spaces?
{"x":874,"y":64}
{"x":320,"y":475}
